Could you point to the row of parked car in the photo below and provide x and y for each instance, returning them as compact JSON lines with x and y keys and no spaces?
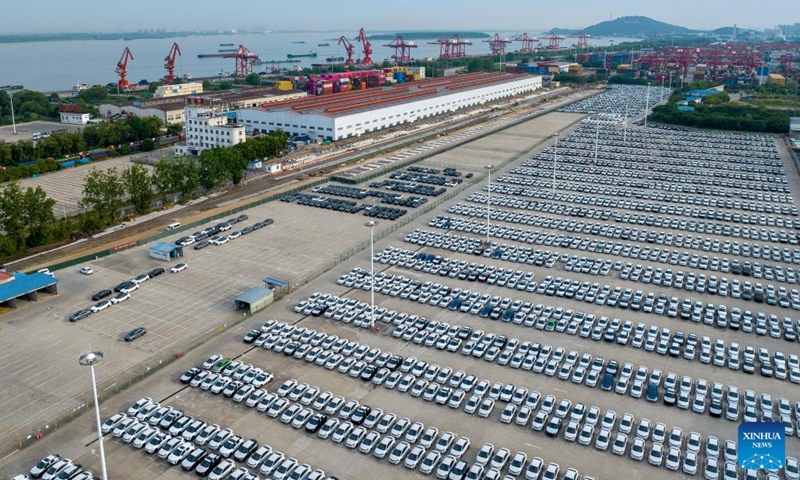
{"x":341,"y":308}
{"x":414,"y":188}
{"x":618,"y":99}
{"x":405,"y":442}
{"x":561,"y":320}
{"x":56,"y":467}
{"x":362,"y":193}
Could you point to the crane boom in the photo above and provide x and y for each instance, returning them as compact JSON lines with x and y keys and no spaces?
{"x":169,"y":62}
{"x":349,"y":48}
{"x":122,"y":68}
{"x":362,"y":37}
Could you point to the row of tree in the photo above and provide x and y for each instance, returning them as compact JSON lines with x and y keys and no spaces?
{"x":724,"y":117}
{"x":27,"y":219}
{"x":64,"y":143}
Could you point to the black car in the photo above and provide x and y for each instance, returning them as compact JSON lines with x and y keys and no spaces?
{"x":394,"y":362}
{"x":368,"y":373}
{"x":242,"y":218}
{"x":247,"y":230}
{"x":267,"y":221}
{"x":124,"y":286}
{"x":201,"y":245}
{"x":102,"y":294}
{"x":189,"y":375}
{"x":199,"y":236}
{"x":251,"y":336}
{"x":315,"y":422}
{"x":80,"y":315}
{"x":209,"y":462}
{"x":361,"y":413}
{"x":135,"y":333}
{"x":155,"y":272}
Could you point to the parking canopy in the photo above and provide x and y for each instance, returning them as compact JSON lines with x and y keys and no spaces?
{"x":20,"y":285}
{"x":255,"y":299}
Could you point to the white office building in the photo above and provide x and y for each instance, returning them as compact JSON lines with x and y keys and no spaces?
{"x":207,"y":127}
{"x":350,"y":114}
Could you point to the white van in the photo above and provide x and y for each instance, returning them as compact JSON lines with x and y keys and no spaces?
{"x":174,"y":226}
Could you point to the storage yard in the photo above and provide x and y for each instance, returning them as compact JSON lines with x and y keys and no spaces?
{"x":613,"y":304}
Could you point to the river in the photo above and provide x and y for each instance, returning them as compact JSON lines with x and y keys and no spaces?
{"x":49,"y":66}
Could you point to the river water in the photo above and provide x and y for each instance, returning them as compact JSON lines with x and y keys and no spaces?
{"x":48,"y":66}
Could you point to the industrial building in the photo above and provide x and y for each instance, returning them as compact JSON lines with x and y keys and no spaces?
{"x":171,"y":109}
{"x":26,"y":286}
{"x":350,"y":114}
{"x":208,"y":126}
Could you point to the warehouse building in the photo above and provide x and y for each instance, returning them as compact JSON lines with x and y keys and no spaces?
{"x":253,"y":300}
{"x":350,"y":114}
{"x":170,"y":109}
{"x":206,"y":127}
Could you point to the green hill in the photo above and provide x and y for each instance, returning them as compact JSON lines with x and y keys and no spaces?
{"x":635,"y":26}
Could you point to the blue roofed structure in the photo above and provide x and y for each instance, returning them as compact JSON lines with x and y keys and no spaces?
{"x":28,"y":286}
{"x":166,"y":251}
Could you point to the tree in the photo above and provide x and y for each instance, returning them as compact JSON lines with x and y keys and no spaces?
{"x":94,"y":95}
{"x":177,"y":175}
{"x":253,"y":79}
{"x":26,"y":217}
{"x":5,"y":154}
{"x":103,"y":192}
{"x":212,"y":171}
{"x":139,"y":187}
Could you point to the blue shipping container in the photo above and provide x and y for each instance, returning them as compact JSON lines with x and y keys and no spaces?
{"x":70,"y":163}
{"x":762,"y":71}
{"x":400,"y":77}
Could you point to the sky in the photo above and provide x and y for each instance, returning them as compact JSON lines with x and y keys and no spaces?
{"x":30,"y":16}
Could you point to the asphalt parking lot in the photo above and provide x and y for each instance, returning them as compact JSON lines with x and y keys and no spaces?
{"x":410,"y":288}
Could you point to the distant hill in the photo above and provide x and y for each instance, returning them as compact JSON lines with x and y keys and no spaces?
{"x":635,"y":26}
{"x":729,"y":31}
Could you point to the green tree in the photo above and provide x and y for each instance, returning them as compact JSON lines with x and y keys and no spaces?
{"x":177,"y":175}
{"x":26,"y":217}
{"x":253,"y":79}
{"x":139,"y":187}
{"x":94,"y":95}
{"x":211,"y":168}
{"x":103,"y":192}
{"x":5,"y":154}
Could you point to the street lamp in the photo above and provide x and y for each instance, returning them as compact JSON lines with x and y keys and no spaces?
{"x":372,"y":224}
{"x":555,"y":160}
{"x":488,"y":201}
{"x":90,"y":359}
{"x":11,"y":89}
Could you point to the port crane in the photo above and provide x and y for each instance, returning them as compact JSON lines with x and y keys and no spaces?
{"x":362,"y":37}
{"x":527,"y":43}
{"x":583,"y":39}
{"x":451,"y":48}
{"x":498,"y":45}
{"x":349,"y":48}
{"x":555,"y":41}
{"x":169,"y":62}
{"x":122,"y":69}
{"x":402,"y":49}
{"x":245,"y":59}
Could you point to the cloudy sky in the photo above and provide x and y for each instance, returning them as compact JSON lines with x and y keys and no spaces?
{"x":49,"y":16}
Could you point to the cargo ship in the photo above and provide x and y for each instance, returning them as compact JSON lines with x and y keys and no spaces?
{"x":323,"y":44}
{"x":226,"y":50}
{"x":300,"y":41}
{"x":334,"y":59}
{"x":311,"y":54}
{"x":227,"y":44}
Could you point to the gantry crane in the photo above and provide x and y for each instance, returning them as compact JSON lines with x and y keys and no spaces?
{"x":362,"y":37}
{"x":451,"y":48}
{"x":349,"y":48}
{"x":555,"y":41}
{"x":498,"y":45}
{"x":245,"y":59}
{"x":169,"y":62}
{"x":583,"y":39}
{"x":402,"y":49}
{"x":122,"y":68}
{"x":527,"y":43}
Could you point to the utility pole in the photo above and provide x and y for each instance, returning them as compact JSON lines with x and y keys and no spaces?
{"x":647,"y":104}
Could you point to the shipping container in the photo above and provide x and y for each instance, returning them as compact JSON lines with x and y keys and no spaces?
{"x":400,"y":77}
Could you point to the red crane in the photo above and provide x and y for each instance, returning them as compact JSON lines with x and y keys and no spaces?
{"x":362,"y":37}
{"x":498,"y":45}
{"x":583,"y":39}
{"x":122,"y":68}
{"x":555,"y":41}
{"x":169,"y":62}
{"x":245,"y":59}
{"x":527,"y":43}
{"x":451,"y":48}
{"x":349,"y":48}
{"x":402,"y":49}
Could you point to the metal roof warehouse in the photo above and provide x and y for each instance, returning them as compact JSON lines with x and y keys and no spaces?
{"x":353,"y":113}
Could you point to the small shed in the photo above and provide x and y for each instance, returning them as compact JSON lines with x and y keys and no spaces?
{"x":253,"y":300}
{"x":166,"y":251}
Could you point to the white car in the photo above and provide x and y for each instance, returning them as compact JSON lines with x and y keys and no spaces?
{"x":86,"y":270}
{"x":178,"y":268}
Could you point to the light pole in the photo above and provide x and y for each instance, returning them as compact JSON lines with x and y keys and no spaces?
{"x":90,"y":359}
{"x":11,"y":89}
{"x":647,"y":103}
{"x":371,"y":224}
{"x":488,"y":201}
{"x":555,"y":161}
